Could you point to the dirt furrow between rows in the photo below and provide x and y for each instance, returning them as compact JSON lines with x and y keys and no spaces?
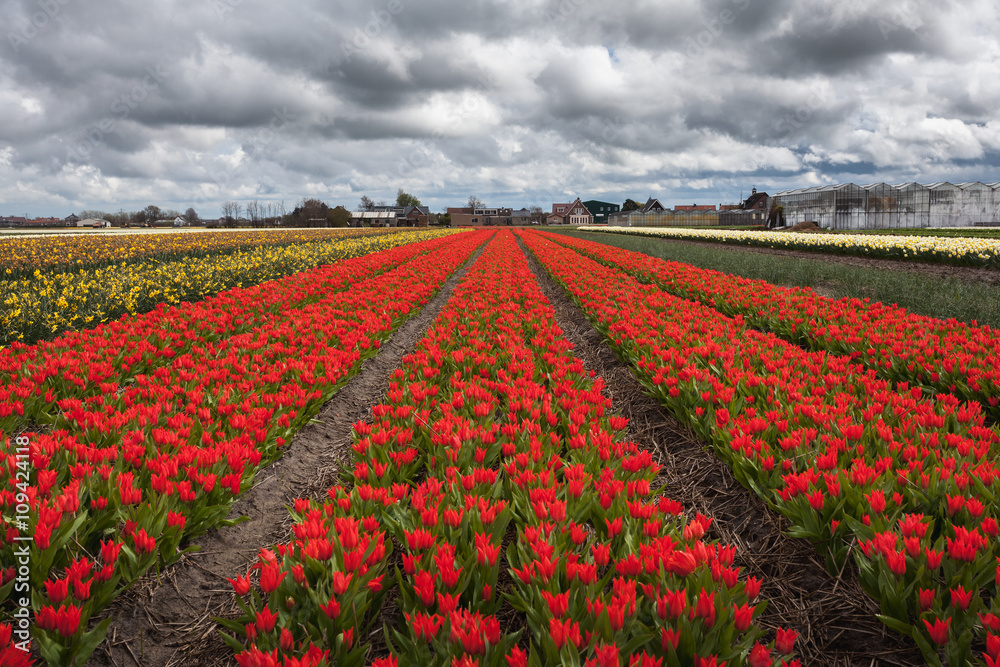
{"x":167,"y":620}
{"x":835,"y":617}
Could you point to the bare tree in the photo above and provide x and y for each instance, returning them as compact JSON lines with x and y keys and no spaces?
{"x":231,"y":212}
{"x":475,"y":202}
{"x":366,"y":204}
{"x":255,"y":212}
{"x":191,"y":216}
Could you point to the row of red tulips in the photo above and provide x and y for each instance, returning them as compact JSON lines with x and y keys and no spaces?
{"x":77,"y":364}
{"x":492,"y":431}
{"x":909,"y":485}
{"x":945,"y":356}
{"x":136,"y":469}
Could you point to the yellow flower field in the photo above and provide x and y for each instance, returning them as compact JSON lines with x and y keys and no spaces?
{"x":21,"y":256}
{"x":48,"y":303}
{"x":965,"y":251}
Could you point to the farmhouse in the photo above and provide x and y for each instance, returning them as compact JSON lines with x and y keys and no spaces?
{"x":653,"y":206}
{"x":574,"y":213}
{"x":414,"y":216}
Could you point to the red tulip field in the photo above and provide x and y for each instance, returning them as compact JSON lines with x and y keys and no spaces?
{"x":503,"y":448}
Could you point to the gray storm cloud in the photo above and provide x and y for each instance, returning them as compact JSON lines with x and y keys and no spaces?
{"x":174,"y":102}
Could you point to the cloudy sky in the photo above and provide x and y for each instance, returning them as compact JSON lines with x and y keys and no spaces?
{"x":109,"y":104}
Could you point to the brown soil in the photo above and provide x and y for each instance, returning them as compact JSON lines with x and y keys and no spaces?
{"x":835,"y":616}
{"x":969,"y":274}
{"x":167,"y":621}
{"x":806,"y":227}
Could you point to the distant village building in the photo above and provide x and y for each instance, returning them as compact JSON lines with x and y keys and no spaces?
{"x":13,"y":221}
{"x":407,"y":216}
{"x":44,"y":222}
{"x":373,"y":218}
{"x":520,"y":217}
{"x":476,"y":217}
{"x":601,"y":210}
{"x":655,"y":214}
{"x":752,"y":211}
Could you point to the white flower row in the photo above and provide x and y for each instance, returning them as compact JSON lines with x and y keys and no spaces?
{"x":964,"y":250}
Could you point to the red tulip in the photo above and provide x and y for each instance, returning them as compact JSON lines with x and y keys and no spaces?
{"x":785,"y":640}
{"x":271,"y":577}
{"x":241,"y":584}
{"x":759,"y":656}
{"x":960,"y":598}
{"x":516,"y":658}
{"x":938,"y":630}
{"x":266,"y":620}
{"x":742,"y":617}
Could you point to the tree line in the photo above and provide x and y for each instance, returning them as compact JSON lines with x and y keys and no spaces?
{"x":309,"y":212}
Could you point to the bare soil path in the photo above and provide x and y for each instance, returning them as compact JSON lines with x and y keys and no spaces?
{"x":835,"y":616}
{"x":167,"y":621}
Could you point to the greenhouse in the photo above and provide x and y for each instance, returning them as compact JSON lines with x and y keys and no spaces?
{"x":883,"y":206}
{"x":666,"y":218}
